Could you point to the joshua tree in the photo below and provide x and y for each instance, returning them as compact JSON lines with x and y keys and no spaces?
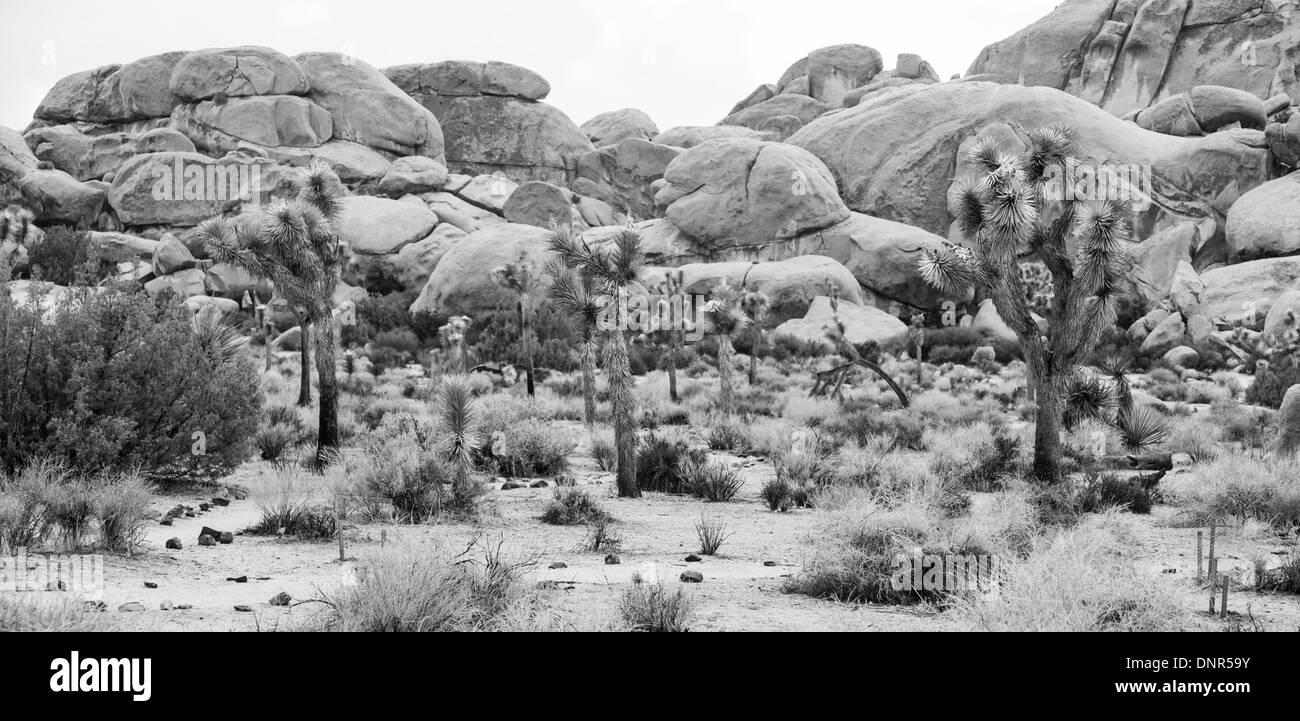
{"x":667,"y":336}
{"x":916,"y":339}
{"x":725,"y":319}
{"x":1006,"y":214}
{"x":574,"y":294}
{"x":605,"y":275}
{"x":517,"y":277}
{"x":755,"y":306}
{"x":296,"y":248}
{"x":453,"y":338}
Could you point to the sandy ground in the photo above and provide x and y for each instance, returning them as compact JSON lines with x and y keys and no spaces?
{"x":739,"y":593}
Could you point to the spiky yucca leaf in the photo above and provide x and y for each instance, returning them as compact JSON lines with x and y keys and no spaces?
{"x":1087,"y":398}
{"x":323,"y":190}
{"x":1142,"y":429}
{"x":967,"y":195}
{"x":1046,"y":147}
{"x":986,"y":155}
{"x":223,"y":341}
{"x":947,"y":269}
{"x":570,"y":292}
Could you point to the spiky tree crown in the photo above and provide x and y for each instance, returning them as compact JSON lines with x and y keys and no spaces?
{"x":585,"y":280}
{"x":1004,"y":214}
{"x":294,"y":245}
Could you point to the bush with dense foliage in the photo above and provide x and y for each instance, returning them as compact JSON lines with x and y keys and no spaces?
{"x":115,"y":378}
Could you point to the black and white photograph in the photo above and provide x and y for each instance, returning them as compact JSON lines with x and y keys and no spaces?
{"x":598,"y":317}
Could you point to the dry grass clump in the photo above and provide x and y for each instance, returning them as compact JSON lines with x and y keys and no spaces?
{"x":573,"y":507}
{"x":1237,"y":486}
{"x":1077,"y":579}
{"x":653,"y":608}
{"x":49,"y":612}
{"x":404,"y":591}
{"x":47,"y":503}
{"x":292,"y":504}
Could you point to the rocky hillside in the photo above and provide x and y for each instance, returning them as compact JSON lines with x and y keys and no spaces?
{"x":835,"y":175}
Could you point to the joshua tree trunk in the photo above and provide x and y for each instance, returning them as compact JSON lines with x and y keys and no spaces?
{"x":304,"y":358}
{"x":269,"y":329}
{"x":524,"y":327}
{"x":753,"y":364}
{"x":327,"y":439}
{"x":589,"y":380}
{"x":620,"y":391}
{"x":1047,"y":429}
{"x":672,"y":369}
{"x":725,"y":354}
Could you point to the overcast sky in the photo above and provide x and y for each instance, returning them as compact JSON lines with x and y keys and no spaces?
{"x":685,"y":62}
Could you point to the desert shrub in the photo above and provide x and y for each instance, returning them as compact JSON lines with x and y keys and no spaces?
{"x":977,"y":459}
{"x":661,"y":461}
{"x":290,"y":505}
{"x":777,"y":494}
{"x":1271,"y":385}
{"x":1251,"y":428}
{"x":495,"y":338}
{"x":601,"y":536}
{"x":411,"y":486}
{"x":858,"y":427}
{"x":66,"y":257}
{"x":272,"y":441}
{"x":399,"y":591}
{"x":1194,"y":435}
{"x":1079,"y":579}
{"x":1237,"y":486}
{"x":604,"y":452}
{"x":712,"y":533}
{"x":572,"y":507}
{"x":855,"y":554}
{"x":119,"y":379}
{"x":728,"y":434}
{"x":530,"y":449}
{"x":954,"y":344}
{"x":122,"y":504}
{"x":713,"y":482}
{"x":46,"y":500}
{"x":564,"y":385}
{"x":1284,"y":578}
{"x":651,"y":607}
{"x":49,"y":612}
{"x":1108,"y":490}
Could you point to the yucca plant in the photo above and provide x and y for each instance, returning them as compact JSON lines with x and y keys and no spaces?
{"x":457,"y":435}
{"x":725,"y":319}
{"x":1004,"y":215}
{"x":596,"y":290}
{"x":223,"y":341}
{"x":295,"y":247}
{"x":1108,"y":399}
{"x":517,"y":277}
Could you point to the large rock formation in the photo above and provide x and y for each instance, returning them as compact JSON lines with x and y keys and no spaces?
{"x":184,"y":189}
{"x":1128,"y":55}
{"x":733,"y":193}
{"x":790,"y":285}
{"x":896,"y":153}
{"x":462,"y":281}
{"x":369,"y":109}
{"x":1266,"y":221}
{"x":493,"y":121}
